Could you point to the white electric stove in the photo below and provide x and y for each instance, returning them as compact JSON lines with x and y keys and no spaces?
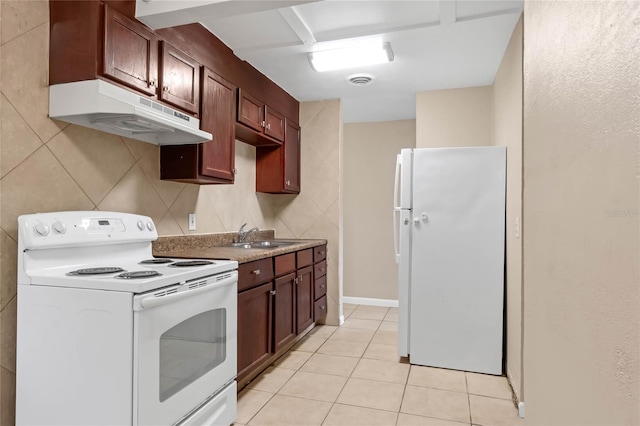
{"x":109,"y":335}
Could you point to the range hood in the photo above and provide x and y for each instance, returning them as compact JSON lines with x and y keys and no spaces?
{"x":100,"y":105}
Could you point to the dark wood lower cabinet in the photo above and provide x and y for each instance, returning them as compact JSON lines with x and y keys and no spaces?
{"x":304,"y":299}
{"x":254,"y":325}
{"x":284,"y":325}
{"x":279,"y":298}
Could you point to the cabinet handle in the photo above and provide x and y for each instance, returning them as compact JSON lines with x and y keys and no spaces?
{"x":322,"y":270}
{"x":322,"y":252}
{"x":165,"y":88}
{"x":295,"y":280}
{"x":262,"y":124}
{"x":322,"y":308}
{"x":288,"y":183}
{"x":273,"y":292}
{"x":268,"y":126}
{"x":256,"y":272}
{"x":322,"y":286}
{"x":153,"y":83}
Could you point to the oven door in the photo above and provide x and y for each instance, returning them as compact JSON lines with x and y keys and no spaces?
{"x":184,"y":347}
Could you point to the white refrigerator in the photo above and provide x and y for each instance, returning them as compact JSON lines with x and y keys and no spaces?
{"x":449,"y":232}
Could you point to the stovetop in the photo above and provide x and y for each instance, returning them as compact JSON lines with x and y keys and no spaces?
{"x":134,"y":277}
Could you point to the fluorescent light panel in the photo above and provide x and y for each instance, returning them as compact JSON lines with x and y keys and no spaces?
{"x":351,"y":57}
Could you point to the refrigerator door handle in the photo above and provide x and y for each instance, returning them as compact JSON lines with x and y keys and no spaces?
{"x":396,"y":186}
{"x":396,"y":224}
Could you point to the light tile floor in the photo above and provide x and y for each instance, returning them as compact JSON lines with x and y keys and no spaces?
{"x":352,"y":375}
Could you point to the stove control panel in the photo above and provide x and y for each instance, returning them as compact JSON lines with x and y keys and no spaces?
{"x":66,"y":229}
{"x":103,"y":225}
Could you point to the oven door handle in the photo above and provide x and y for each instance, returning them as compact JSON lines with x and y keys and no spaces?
{"x":152,"y":300}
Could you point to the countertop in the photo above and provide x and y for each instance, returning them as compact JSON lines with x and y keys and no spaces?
{"x":212,"y":246}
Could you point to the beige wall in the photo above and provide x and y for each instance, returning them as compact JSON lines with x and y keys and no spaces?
{"x":455,"y":117}
{"x":47,"y":165}
{"x":370,"y":151}
{"x":507,"y":131}
{"x":581,"y":201}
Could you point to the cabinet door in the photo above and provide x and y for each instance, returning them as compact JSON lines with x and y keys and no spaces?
{"x":273,"y":123}
{"x":250,"y":111}
{"x":130,"y":53}
{"x":179,"y":79}
{"x":292,"y":157}
{"x":304,"y":299}
{"x":254,"y":327}
{"x":217,"y":157}
{"x":284,"y":327}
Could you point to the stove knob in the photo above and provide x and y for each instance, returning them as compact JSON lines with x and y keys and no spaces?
{"x":150,"y":226}
{"x":41,"y":229}
{"x":59,"y":227}
{"x":140,"y":225}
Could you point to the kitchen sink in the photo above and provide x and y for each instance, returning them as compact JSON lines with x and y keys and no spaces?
{"x":262,"y":244}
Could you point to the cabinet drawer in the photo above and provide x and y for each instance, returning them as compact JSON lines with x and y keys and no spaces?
{"x":320,"y":308}
{"x":304,"y":258}
{"x":320,"y":269}
{"x":320,"y":287}
{"x":253,"y":273}
{"x":285,"y":264}
{"x":319,"y":253}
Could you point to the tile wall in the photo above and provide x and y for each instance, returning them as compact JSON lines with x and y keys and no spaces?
{"x":47,"y":165}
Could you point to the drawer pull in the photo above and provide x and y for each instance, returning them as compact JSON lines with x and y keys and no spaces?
{"x":321,"y":270}
{"x":322,"y":308}
{"x":256,"y":272}
{"x":321,"y":252}
{"x":322,"y":286}
{"x":273,"y":292}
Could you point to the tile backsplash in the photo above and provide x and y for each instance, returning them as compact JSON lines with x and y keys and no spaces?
{"x":48,"y":165}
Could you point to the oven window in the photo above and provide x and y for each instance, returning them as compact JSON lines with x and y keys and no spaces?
{"x":190,"y":350}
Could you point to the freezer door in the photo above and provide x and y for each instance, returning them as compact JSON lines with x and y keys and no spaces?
{"x":457,"y":247}
{"x":404,"y":276}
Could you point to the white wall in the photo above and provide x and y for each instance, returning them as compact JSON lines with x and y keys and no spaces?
{"x":581,"y":212}
{"x":370,"y":151}
{"x":507,"y":130}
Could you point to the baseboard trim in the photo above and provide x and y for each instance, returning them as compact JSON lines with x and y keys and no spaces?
{"x":390,"y":303}
{"x":521,"y":410}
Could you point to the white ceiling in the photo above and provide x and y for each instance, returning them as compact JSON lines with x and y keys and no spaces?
{"x":437,"y":45}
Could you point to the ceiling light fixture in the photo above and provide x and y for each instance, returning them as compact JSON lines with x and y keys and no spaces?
{"x":350,"y":57}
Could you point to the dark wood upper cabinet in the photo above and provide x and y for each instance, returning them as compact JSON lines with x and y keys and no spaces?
{"x":292,"y":158}
{"x":218,"y":107}
{"x":250,"y":111}
{"x":273,"y":123}
{"x":278,"y":169}
{"x":214,"y":161}
{"x":179,"y":78}
{"x":130,"y":53}
{"x":257,"y":123}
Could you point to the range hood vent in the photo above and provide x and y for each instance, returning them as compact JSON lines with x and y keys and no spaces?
{"x":100,"y":105}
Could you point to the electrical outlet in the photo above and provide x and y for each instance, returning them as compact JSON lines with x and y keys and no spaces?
{"x":517,"y":226}
{"x":192,"y":221}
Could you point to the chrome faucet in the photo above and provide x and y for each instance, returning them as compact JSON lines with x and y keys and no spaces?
{"x":242,"y":234}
